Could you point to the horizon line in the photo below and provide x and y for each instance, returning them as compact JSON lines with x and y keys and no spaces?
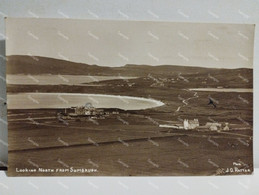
{"x":67,"y":60}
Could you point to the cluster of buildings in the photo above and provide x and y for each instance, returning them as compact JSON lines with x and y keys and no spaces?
{"x":88,"y":110}
{"x":194,"y":124}
{"x":217,"y":126}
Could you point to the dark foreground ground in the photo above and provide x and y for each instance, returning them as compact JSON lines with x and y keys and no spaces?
{"x":132,"y":143}
{"x":139,"y":148}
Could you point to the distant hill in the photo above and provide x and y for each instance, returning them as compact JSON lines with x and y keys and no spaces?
{"x":17,"y":64}
{"x":42,"y":65}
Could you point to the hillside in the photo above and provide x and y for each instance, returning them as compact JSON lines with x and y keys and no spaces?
{"x":42,"y":65}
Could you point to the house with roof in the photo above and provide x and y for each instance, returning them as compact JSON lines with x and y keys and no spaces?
{"x":190,"y":124}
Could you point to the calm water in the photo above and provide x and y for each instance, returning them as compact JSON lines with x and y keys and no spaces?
{"x":241,"y":90}
{"x":66,"y":100}
{"x":57,"y":79}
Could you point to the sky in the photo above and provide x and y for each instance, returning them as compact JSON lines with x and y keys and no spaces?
{"x":116,"y":43}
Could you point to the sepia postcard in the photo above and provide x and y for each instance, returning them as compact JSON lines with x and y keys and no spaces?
{"x":129,"y":98}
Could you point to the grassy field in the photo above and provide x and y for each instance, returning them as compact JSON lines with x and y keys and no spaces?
{"x":132,"y":143}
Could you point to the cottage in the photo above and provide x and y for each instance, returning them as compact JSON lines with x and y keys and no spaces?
{"x":190,"y":124}
{"x":226,"y":127}
{"x":213,"y":126}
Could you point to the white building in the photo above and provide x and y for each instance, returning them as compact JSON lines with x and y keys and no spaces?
{"x":190,"y":124}
{"x":213,"y":126}
{"x":226,"y":128}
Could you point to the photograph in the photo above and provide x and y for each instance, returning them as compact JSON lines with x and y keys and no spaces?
{"x":90,"y":97}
